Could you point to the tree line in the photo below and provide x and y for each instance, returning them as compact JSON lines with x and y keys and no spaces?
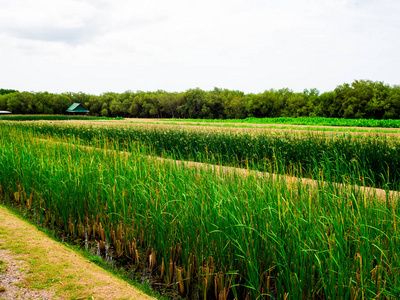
{"x":360,"y":99}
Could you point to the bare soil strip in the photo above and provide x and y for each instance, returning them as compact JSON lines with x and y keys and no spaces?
{"x":39,"y":268}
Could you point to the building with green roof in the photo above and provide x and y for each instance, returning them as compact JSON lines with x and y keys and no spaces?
{"x":77,"y":109}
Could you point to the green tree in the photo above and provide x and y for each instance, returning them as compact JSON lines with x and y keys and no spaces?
{"x":14,"y":103}
{"x":296,"y":106}
{"x":392,"y":104}
{"x":3,"y":102}
{"x":5,"y":91}
{"x":192,"y":102}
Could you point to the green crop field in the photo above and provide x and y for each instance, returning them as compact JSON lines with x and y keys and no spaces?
{"x":372,"y":161}
{"x":317,"y":121}
{"x":210,"y":234}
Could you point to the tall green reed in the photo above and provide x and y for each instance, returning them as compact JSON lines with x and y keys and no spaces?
{"x":210,"y":233}
{"x":373,"y":161}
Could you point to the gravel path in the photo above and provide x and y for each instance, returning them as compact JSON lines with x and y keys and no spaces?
{"x":14,"y":274}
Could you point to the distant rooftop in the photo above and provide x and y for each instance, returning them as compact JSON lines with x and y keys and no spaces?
{"x":77,"y":108}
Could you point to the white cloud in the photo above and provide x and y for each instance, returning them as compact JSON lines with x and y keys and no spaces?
{"x":250,"y":45}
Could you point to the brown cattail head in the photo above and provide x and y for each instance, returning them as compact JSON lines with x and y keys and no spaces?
{"x":152,"y":259}
{"x":180,"y":280}
{"x":137,"y":257}
{"x":102,"y":232}
{"x":162,"y":268}
{"x":119,"y":248}
{"x":30,"y":201}
{"x":102,"y":245}
{"x":171,"y":270}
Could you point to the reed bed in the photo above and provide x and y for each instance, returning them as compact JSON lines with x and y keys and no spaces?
{"x":369,"y":161}
{"x":209,"y":235}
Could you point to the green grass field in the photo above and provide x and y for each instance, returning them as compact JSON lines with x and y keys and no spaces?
{"x":317,"y":121}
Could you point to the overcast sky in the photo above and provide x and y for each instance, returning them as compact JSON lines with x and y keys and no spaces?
{"x":96,"y":46}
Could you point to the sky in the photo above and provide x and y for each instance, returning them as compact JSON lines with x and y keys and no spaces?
{"x":97,"y":46}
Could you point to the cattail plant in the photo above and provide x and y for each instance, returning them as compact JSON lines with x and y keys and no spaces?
{"x":212,"y":233}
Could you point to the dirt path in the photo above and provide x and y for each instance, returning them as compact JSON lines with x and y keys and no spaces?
{"x":36,"y":267}
{"x":12,"y":276}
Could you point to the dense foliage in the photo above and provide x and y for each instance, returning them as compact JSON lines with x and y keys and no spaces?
{"x":4,"y":91}
{"x":361,"y":99}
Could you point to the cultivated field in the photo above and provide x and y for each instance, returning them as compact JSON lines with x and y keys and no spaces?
{"x":210,"y":232}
